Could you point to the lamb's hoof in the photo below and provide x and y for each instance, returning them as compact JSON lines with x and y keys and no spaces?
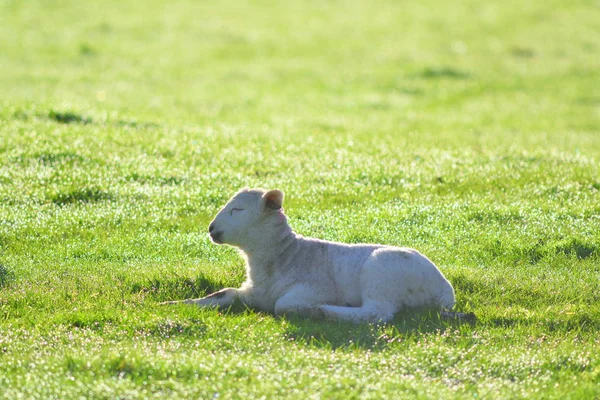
{"x":317,"y":313}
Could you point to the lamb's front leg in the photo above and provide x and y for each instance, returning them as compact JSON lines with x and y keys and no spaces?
{"x":300,"y":300}
{"x":222,"y":298}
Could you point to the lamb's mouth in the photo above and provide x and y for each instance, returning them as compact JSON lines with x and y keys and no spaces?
{"x":216,"y":237}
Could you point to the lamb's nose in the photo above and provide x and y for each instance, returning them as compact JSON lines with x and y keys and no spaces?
{"x":211,"y":228}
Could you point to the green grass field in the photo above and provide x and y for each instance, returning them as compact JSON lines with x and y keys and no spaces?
{"x":468,"y":130}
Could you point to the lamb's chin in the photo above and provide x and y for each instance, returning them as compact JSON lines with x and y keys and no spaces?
{"x":216,"y":239}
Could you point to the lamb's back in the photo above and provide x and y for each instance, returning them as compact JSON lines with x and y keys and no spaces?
{"x":335,"y":266}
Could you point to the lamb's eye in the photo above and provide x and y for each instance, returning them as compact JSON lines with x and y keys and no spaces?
{"x":235,"y":210}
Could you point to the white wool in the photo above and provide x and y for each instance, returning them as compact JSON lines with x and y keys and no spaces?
{"x":288,"y":273}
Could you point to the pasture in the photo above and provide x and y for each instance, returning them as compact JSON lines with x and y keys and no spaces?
{"x":467,"y":130}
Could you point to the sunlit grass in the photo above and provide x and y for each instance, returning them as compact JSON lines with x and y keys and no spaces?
{"x":466,"y":130}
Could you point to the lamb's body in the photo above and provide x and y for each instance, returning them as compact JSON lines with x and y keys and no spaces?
{"x":287,"y":273}
{"x":369,"y":282}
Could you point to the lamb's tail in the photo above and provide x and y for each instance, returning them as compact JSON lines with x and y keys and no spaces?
{"x":447,"y":301}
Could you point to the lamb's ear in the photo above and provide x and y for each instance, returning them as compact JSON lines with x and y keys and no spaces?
{"x":272,"y":200}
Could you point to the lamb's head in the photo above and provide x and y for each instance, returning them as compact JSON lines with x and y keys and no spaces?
{"x":249,"y":218}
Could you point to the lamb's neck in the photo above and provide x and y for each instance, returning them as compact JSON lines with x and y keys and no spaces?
{"x":271,"y":248}
{"x":262,"y":262}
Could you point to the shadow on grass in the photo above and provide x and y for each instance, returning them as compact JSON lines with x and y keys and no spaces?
{"x":579,"y":322}
{"x":333,"y":334}
{"x":114,"y":323}
{"x":169,"y":328}
{"x":444,"y":73}
{"x":94,"y":321}
{"x":68,"y":117}
{"x":62,"y":157}
{"x":84,"y":195}
{"x":579,"y":248}
{"x":5,"y":276}
{"x":157,"y":180}
{"x":177,"y":288}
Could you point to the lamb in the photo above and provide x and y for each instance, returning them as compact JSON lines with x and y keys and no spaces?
{"x":288,"y":273}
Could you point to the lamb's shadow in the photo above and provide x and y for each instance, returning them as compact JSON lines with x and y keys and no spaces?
{"x":577,"y":323}
{"x":176,"y":287}
{"x":333,"y":334}
{"x":308,"y":331}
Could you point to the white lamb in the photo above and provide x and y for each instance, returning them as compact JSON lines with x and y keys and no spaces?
{"x":288,"y":273}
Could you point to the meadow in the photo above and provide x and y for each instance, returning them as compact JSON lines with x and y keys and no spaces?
{"x":467,"y":130}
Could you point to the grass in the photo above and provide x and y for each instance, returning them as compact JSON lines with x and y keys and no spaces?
{"x":468,"y":130}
